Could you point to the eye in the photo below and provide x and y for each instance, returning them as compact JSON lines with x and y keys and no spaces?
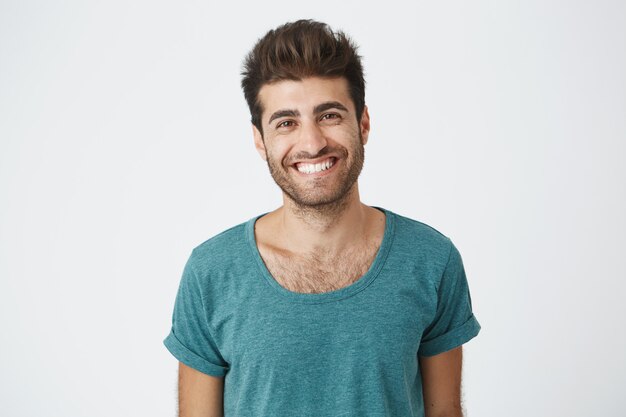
{"x":330,"y":116}
{"x":285,"y":123}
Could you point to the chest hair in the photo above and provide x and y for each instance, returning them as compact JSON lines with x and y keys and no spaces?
{"x":318,"y":273}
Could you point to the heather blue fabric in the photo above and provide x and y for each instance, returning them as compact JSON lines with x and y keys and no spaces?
{"x":349,"y":352}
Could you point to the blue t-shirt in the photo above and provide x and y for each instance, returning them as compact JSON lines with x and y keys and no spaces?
{"x":349,"y":352}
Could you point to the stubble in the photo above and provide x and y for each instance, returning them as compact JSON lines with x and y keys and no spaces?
{"x":316,"y":201}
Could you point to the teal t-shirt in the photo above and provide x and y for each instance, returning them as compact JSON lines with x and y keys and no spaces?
{"x":349,"y":352}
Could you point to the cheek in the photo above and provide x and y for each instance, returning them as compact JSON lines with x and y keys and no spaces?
{"x":346,"y":133}
{"x":277,"y":154}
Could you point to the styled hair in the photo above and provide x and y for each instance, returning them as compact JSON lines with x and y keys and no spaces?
{"x":297,"y":50}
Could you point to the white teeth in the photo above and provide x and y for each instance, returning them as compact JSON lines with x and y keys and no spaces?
{"x":312,"y":168}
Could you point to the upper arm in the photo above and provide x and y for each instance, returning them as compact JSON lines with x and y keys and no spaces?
{"x":199,"y":394}
{"x":441,"y":383}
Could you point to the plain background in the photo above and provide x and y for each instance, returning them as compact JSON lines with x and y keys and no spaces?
{"x":125,"y":142}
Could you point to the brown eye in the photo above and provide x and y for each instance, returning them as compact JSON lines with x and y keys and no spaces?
{"x":334,"y":117}
{"x":286,"y":123}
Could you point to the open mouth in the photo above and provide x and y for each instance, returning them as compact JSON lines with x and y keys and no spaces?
{"x":324,"y":165}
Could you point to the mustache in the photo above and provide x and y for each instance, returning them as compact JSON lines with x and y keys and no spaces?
{"x":341,"y":151}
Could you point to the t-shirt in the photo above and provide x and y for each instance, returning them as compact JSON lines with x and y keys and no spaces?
{"x":348,"y":352}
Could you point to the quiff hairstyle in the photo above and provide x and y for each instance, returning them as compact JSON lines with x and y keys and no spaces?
{"x":297,"y":50}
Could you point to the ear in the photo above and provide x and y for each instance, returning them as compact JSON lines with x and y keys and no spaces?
{"x":259,"y":144}
{"x":364,"y":125}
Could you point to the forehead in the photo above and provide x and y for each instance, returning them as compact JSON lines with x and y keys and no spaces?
{"x":303,"y":95}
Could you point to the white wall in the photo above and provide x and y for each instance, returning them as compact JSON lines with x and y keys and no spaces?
{"x":125,"y":142}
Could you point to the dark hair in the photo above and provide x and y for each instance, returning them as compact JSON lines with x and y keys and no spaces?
{"x":300,"y":49}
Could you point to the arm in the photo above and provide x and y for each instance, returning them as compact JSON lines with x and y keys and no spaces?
{"x":199,"y":394}
{"x":441,"y":383}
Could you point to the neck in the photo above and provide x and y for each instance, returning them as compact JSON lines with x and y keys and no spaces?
{"x":330,"y":228}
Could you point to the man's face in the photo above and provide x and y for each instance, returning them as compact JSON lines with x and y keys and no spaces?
{"x":312,"y":141}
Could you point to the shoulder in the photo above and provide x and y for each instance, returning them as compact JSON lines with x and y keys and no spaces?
{"x":222,"y":250}
{"x":423,"y":250}
{"x":417,"y":237}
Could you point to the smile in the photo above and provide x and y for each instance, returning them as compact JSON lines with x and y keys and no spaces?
{"x":313,"y":168}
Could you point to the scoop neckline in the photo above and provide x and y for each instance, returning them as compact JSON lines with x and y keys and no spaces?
{"x":360,"y":284}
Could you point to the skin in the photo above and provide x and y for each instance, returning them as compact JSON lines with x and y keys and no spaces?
{"x":441,"y":382}
{"x":308,"y":121}
{"x":320,"y":211}
{"x":199,"y":394}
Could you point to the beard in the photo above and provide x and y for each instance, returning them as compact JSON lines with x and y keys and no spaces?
{"x":316,"y":193}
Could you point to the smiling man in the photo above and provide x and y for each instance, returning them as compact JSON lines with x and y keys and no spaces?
{"x":325,"y":306}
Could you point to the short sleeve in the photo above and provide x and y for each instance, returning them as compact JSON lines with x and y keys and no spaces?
{"x":190,"y":339}
{"x":454,"y":322}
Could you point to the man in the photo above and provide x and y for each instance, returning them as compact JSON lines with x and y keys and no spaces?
{"x":324,"y":306}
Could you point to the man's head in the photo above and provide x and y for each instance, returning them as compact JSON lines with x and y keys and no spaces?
{"x":299,"y":50}
{"x":304,"y":84}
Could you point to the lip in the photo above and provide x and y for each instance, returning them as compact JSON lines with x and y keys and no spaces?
{"x":316,"y":161}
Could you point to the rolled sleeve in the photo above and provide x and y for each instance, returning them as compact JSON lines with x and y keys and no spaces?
{"x":189,"y":358}
{"x":454,"y":322}
{"x":191,"y":340}
{"x":452,"y":339}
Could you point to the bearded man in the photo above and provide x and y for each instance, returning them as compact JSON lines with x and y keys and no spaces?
{"x":325,"y":306}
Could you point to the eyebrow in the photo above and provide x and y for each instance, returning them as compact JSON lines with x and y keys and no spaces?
{"x":329,"y":105}
{"x":317,"y":109}
{"x":283,"y":113}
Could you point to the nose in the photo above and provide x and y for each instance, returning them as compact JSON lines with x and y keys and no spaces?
{"x":312,"y":139}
